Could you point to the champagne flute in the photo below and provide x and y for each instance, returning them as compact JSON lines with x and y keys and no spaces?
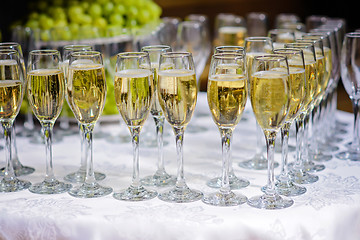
{"x":45,"y":91}
{"x":284,"y":184}
{"x":257,"y":24}
{"x":79,"y":175}
{"x":177,"y":91}
{"x":12,"y":84}
{"x":230,"y":29}
{"x":298,"y":172}
{"x":133,"y":95}
{"x":86,"y":91}
{"x":269,"y":96}
{"x":350,"y":73}
{"x":234,"y":181}
{"x":281,"y":36}
{"x":227,"y":95}
{"x":19,"y":169}
{"x":161,"y":177}
{"x":256,"y":46}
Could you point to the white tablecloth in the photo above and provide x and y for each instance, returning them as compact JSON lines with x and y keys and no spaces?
{"x":330,"y":209}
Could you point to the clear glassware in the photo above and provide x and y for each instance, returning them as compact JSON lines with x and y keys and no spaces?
{"x":282,"y":18}
{"x":284,"y":184}
{"x":299,"y":169}
{"x":169,"y":31}
{"x":227,"y":95}
{"x":161,"y":178}
{"x":350,"y":72}
{"x":229,"y":49}
{"x":79,"y":175}
{"x":29,"y":128}
{"x":46,"y":76}
{"x":12,"y":85}
{"x":177,"y":91}
{"x":270,"y":72}
{"x":256,"y":46}
{"x":281,"y":36}
{"x":86,"y":91}
{"x":257,"y":24}
{"x":133,"y":96}
{"x":230,"y":29}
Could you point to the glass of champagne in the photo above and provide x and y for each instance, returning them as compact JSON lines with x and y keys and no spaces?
{"x":177,"y":92}
{"x":46,"y":92}
{"x":350,"y":73}
{"x":281,"y":36}
{"x":229,"y":49}
{"x":298,"y":172}
{"x":28,"y":129}
{"x":284,"y":184}
{"x":79,"y":175}
{"x":161,"y":177}
{"x":133,"y":96}
{"x":227,"y":96}
{"x":255,"y":46}
{"x":270,"y":100}
{"x":86,"y":92}
{"x":230,"y":29}
{"x":12,"y":85}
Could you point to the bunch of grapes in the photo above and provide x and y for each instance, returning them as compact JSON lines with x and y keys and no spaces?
{"x":79,"y":19}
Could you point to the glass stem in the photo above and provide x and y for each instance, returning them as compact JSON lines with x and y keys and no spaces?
{"x":226,"y":135}
{"x":270,"y":146}
{"x":259,"y":144}
{"x":159,"y":123}
{"x":83,"y":143}
{"x":356,"y":138}
{"x":304,"y":145}
{"x":47,"y":129}
{"x":284,"y":150}
{"x":135,"y":133}
{"x":314,"y":131}
{"x":299,"y":128}
{"x":14,"y":156}
{"x":179,"y":137}
{"x":88,"y":144}
{"x":9,"y":170}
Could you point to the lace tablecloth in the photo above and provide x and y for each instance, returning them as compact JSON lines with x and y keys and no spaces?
{"x":330,"y":209}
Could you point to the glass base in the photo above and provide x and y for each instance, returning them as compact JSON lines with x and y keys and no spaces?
{"x":159,"y":179}
{"x":310,"y":167}
{"x":301,"y":177}
{"x":79,"y":176}
{"x":50,"y":187}
{"x":224,"y":199}
{"x":181,"y":195}
{"x":350,"y":155}
{"x":320,"y":156}
{"x":270,"y":202}
{"x":13,"y":185}
{"x":328,"y":148}
{"x":135,"y":194}
{"x":258,"y":162}
{"x":287,"y":188}
{"x":235,"y":182}
{"x":20,"y":171}
{"x":87,"y":190}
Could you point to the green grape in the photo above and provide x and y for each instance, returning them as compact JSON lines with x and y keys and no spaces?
{"x":144,"y":16}
{"x":116,"y":19}
{"x":119,"y":9}
{"x":46,"y":23}
{"x":85,"y":19}
{"x":108,"y":8}
{"x":33,"y":24}
{"x":45,"y":35}
{"x":132,"y":12}
{"x":95,"y":10}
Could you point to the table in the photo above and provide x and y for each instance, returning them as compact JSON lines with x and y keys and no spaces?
{"x":329,"y":210}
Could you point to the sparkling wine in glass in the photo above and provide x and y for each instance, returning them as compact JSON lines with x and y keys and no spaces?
{"x":12,"y":85}
{"x":177,"y":91}
{"x":86,"y":92}
{"x":46,"y":93}
{"x":270,"y":100}
{"x":161,"y":177}
{"x":227,"y":94}
{"x":133,"y":96}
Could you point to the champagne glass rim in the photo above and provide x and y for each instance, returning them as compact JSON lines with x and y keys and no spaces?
{"x":225,"y":47}
{"x":132,"y":54}
{"x":353,"y":34}
{"x":44,"y":52}
{"x":271,"y":57}
{"x":299,"y":44}
{"x":8,"y":51}
{"x":9,"y":44}
{"x":86,"y":54}
{"x":75,"y":46}
{"x":155,"y":48}
{"x":257,"y":39}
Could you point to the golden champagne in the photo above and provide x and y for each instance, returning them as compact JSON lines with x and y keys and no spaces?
{"x":232,"y":35}
{"x":9,"y":70}
{"x":177,"y":91}
{"x":155,"y":106}
{"x":45,"y":91}
{"x":320,"y":68}
{"x":86,"y":90}
{"x":269,"y":98}
{"x":297,"y":91}
{"x":133,"y":95}
{"x":226,"y":95}
{"x":10,"y":98}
